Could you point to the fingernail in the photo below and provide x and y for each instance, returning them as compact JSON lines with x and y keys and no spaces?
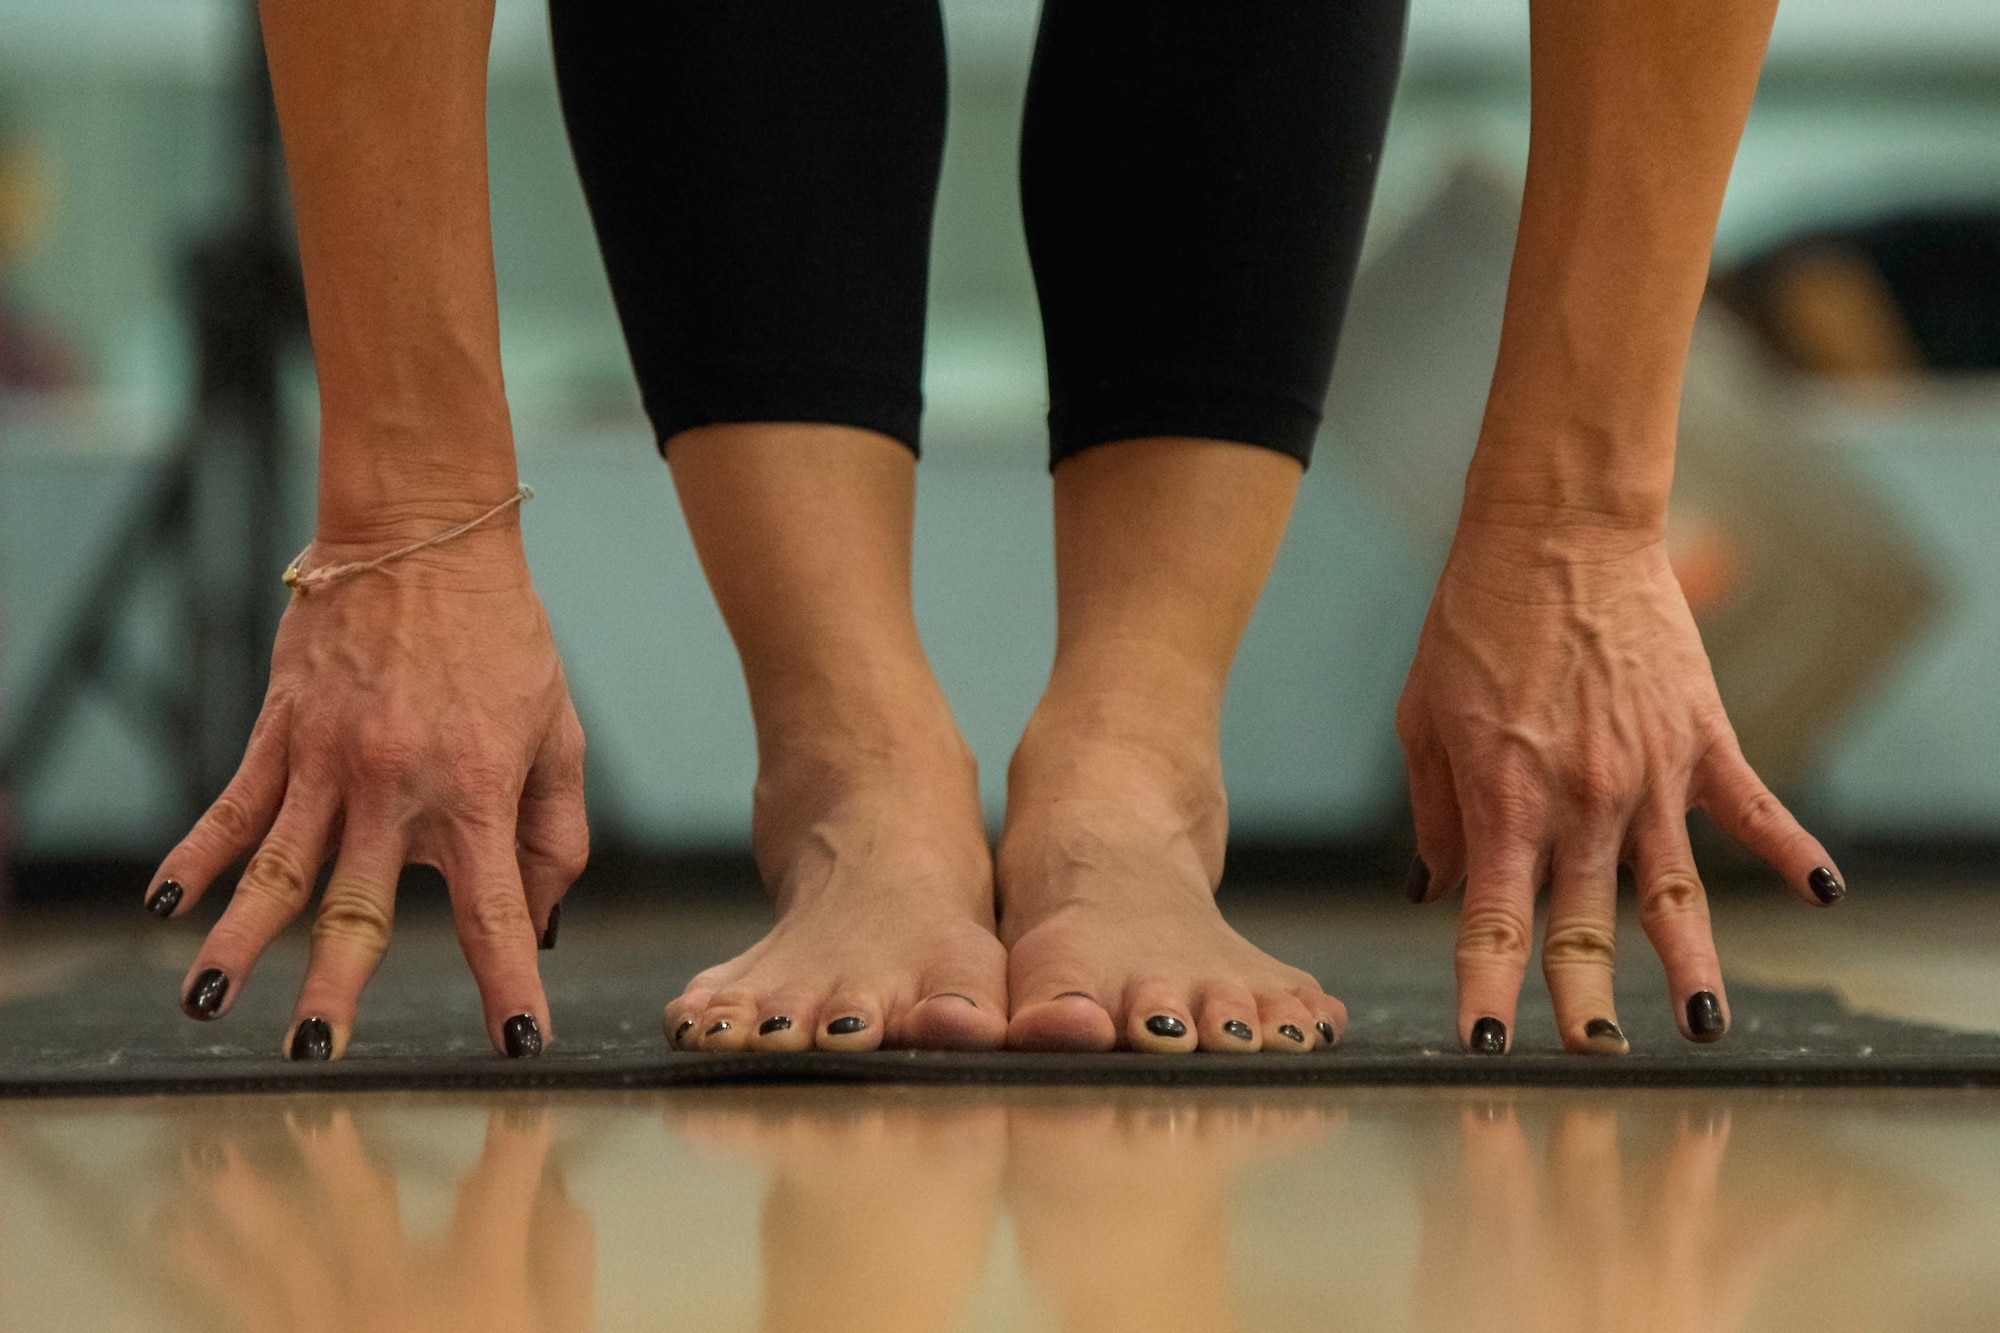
{"x":523,"y":1036}
{"x":204,"y":998}
{"x":162,"y":901}
{"x":1166,"y":1025}
{"x":720,"y":1025}
{"x":1603,"y":1027}
{"x":1489,"y":1037}
{"x":548,"y":940}
{"x":846,"y":1027}
{"x":1238,"y":1029}
{"x":1419,"y":883}
{"x":1291,"y":1033}
{"x":1326,"y":1033}
{"x":1825,"y":886}
{"x":1705,"y":1016}
{"x":682,"y":1030}
{"x":312,"y":1040}
{"x":775,"y":1023}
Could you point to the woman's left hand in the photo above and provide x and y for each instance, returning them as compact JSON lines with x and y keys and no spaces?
{"x":1560,"y":720}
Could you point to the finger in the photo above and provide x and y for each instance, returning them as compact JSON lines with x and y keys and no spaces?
{"x":349,"y":936}
{"x":1440,"y":863}
{"x":490,"y":910}
{"x":1732,"y":795}
{"x":1673,"y":907}
{"x":552,"y":831}
{"x":1495,"y":937}
{"x":275,"y":887}
{"x":1579,"y":947}
{"x":232,"y":825}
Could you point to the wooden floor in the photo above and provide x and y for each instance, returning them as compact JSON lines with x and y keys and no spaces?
{"x":1093,"y":1210}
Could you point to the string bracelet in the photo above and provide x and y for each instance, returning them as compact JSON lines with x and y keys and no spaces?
{"x":302,"y":580}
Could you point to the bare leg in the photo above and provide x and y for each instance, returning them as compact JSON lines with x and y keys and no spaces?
{"x":1116,"y":817}
{"x":866,"y":822}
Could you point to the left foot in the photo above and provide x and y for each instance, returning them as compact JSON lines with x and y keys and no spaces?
{"x":1107,"y":873}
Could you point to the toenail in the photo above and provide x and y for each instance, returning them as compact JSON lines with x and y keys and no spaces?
{"x":1238,"y":1029}
{"x":1076,"y":995}
{"x":1288,"y":1031}
{"x":1326,"y":1032}
{"x":720,"y":1025}
{"x":775,"y":1023}
{"x":846,"y":1027}
{"x":1166,"y":1025}
{"x":954,"y":995}
{"x":682,"y":1030}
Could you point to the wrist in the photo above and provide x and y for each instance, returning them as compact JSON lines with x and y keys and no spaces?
{"x":393,"y":488}
{"x":1572,"y":478}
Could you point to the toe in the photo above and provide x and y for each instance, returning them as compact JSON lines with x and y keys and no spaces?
{"x":849,"y":1020}
{"x":1287,"y":1025}
{"x":1228,"y":1019}
{"x":1069,"y":1021}
{"x":952,"y":1021}
{"x":1329,"y":1019}
{"x":784,"y":1023}
{"x":1160,"y":1019}
{"x":728,"y":1023}
{"x":681,"y":1020}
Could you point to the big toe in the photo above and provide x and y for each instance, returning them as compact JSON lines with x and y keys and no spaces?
{"x":953,"y":1021}
{"x":1068,"y":1022}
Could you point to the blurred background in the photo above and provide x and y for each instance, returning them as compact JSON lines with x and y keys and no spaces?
{"x":1835,"y":525}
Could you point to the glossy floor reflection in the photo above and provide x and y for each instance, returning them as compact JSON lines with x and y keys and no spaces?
{"x":890,"y":1209}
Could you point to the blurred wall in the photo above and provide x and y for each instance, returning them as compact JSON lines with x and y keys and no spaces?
{"x":126,"y":97}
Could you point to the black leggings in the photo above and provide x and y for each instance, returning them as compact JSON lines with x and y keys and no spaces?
{"x":1195,"y":178}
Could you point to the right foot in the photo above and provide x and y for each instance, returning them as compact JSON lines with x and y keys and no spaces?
{"x":878,"y":861}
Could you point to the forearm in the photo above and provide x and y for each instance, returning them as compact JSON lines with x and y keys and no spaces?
{"x":1637,"y":109}
{"x":383,"y":110}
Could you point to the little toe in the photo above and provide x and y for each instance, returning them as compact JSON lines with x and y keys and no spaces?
{"x":1069,"y":1021}
{"x":1227,"y":1021}
{"x":952,"y":1021}
{"x":849,"y":1022}
{"x":1329,"y":1019}
{"x":1287,"y":1025}
{"x":681,"y":1020}
{"x":1160,"y":1020}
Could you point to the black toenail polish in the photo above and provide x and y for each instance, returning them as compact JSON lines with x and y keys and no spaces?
{"x":1825,"y":886}
{"x":548,"y":940}
{"x":682,"y":1030}
{"x":522,"y":1035}
{"x":1238,"y":1029}
{"x":846,"y":1027}
{"x":204,"y":998}
{"x":775,"y":1023}
{"x":1290,"y":1033}
{"x":719,"y":1025}
{"x":313,"y":1040}
{"x":1166,"y":1025}
{"x":1603,"y":1027}
{"x":1705,"y":1016}
{"x":1419,"y":883}
{"x":1326,"y":1032}
{"x":1489,"y":1037}
{"x":162,"y":901}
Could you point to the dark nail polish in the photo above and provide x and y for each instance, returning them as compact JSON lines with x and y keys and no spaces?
{"x":846,"y":1027}
{"x":1489,"y":1037}
{"x":1825,"y":886}
{"x":548,"y":940}
{"x":682,"y":1030}
{"x":204,"y":998}
{"x":1326,"y":1033}
{"x":719,"y":1025}
{"x":1419,"y":883}
{"x":523,"y":1036}
{"x":1603,"y":1027}
{"x":1238,"y":1029}
{"x":162,"y":901}
{"x":313,"y":1040}
{"x":1166,"y":1025}
{"x":1705,"y":1016}
{"x":1290,"y":1033}
{"x":775,"y":1023}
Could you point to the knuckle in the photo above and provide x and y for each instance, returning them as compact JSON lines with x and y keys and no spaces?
{"x":482,"y":773}
{"x":277,"y":874}
{"x":386,"y":753}
{"x":1577,"y":944}
{"x":497,"y":916}
{"x":1596,"y":786}
{"x":1763,"y":814}
{"x":228,"y":822}
{"x":1674,"y":896}
{"x":353,"y":916}
{"x":1494,"y":934}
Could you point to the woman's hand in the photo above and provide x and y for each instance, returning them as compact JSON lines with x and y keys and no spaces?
{"x":416,"y":714}
{"x":1560,"y":720}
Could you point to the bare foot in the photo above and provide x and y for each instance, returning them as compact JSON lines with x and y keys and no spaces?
{"x":878,"y":861}
{"x":1107,"y":870}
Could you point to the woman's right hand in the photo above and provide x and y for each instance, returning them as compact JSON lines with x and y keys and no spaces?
{"x":416,"y":714}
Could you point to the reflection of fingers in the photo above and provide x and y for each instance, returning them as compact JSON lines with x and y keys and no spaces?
{"x":1495,"y":933}
{"x":1499,"y":1174}
{"x":1440,"y":863}
{"x":360,"y":1196}
{"x":231,"y":826}
{"x":552,"y":831}
{"x":496,"y":1204}
{"x":202,"y":1260}
{"x":272,"y":1233}
{"x":499,"y":941}
{"x":275,"y":887}
{"x":1586,"y":1176}
{"x":349,"y":936}
{"x":1732,"y":794}
{"x":1673,"y":907}
{"x":1579,"y":946}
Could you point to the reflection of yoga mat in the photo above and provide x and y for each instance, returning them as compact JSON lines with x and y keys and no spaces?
{"x":112,"y":1028}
